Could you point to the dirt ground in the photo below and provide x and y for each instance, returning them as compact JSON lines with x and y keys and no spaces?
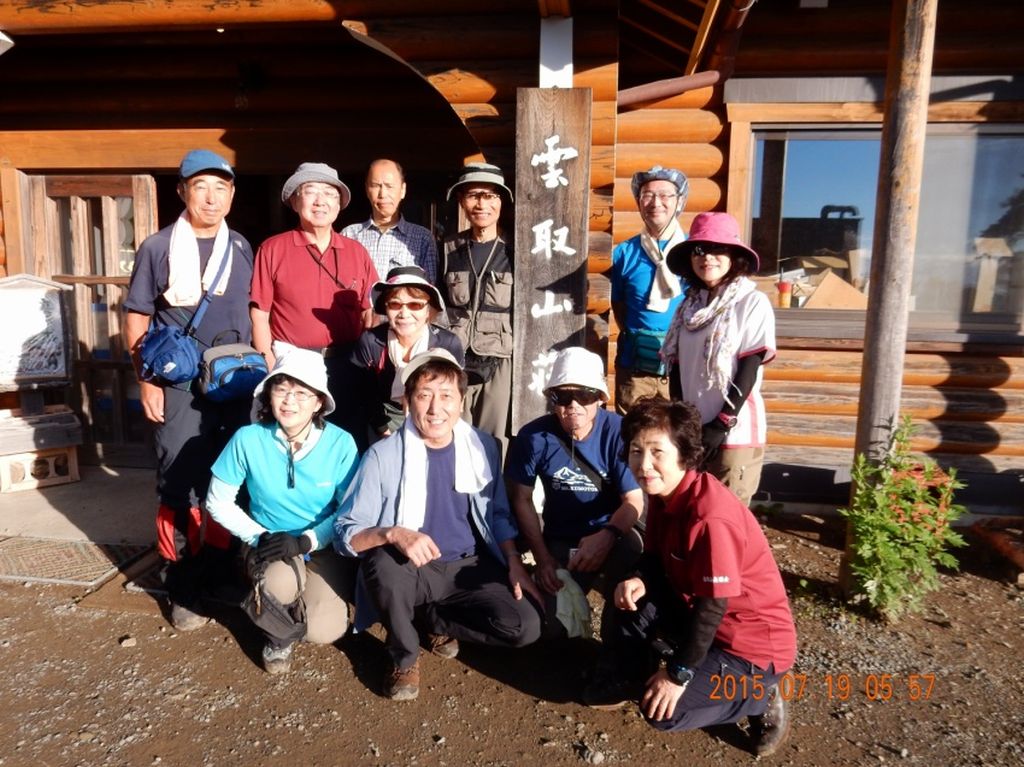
{"x":103,"y":680}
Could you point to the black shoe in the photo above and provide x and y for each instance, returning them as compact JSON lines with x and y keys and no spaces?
{"x":609,"y":690}
{"x":768,"y":731}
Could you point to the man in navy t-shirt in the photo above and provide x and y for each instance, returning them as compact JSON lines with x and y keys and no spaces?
{"x":591,"y":500}
{"x":173,"y":269}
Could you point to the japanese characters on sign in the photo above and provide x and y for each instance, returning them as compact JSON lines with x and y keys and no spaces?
{"x":553,"y":188}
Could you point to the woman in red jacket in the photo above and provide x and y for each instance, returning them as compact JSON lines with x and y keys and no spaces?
{"x":708,"y":598}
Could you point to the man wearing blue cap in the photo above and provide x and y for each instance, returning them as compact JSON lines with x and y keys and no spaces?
{"x":645,"y":293}
{"x":174,"y":269}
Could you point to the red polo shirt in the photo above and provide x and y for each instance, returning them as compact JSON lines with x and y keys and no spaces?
{"x":710,"y":545}
{"x":313,"y":305}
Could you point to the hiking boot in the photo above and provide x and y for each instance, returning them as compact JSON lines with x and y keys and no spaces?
{"x":769,"y":730}
{"x":443,"y":646}
{"x":277,"y":660}
{"x":184,"y":619}
{"x":404,"y":683}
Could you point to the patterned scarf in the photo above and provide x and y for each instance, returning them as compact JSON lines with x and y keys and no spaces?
{"x":696,"y":313}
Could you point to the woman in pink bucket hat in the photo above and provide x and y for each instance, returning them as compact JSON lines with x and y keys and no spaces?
{"x":721,"y":335}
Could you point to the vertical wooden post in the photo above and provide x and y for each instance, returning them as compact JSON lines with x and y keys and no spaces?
{"x":552,"y":216}
{"x":912,"y":43}
{"x":899,"y":189}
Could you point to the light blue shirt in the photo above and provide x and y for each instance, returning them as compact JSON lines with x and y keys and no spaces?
{"x":257,"y":456}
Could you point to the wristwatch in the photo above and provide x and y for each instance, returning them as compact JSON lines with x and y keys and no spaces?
{"x":728,"y":420}
{"x":679,"y":673}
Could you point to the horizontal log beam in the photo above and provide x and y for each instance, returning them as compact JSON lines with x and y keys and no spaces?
{"x":599,"y":294}
{"x":701,"y":98}
{"x":19,"y":17}
{"x":858,"y":112}
{"x":252,"y":151}
{"x":842,"y":458}
{"x":840,"y":57}
{"x":807,"y":398}
{"x":695,"y":160}
{"x":684,"y":126}
{"x":941,"y":436}
{"x":965,"y":371}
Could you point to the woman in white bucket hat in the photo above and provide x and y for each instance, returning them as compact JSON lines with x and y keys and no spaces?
{"x":296,"y":467}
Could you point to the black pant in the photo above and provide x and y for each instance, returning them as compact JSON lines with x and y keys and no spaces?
{"x":725,"y":687}
{"x":469,"y":599}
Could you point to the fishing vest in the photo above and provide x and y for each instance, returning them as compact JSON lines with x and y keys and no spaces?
{"x":479,"y":301}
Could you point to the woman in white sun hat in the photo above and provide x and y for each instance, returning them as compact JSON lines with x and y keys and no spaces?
{"x":296,"y":468}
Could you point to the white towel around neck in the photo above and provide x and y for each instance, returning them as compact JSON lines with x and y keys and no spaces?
{"x":472,"y":471}
{"x":665,"y":285}
{"x":184,"y":287}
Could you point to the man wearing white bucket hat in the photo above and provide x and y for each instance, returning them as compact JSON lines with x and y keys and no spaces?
{"x":591,"y":500}
{"x":296,"y":468}
{"x":429,"y":518}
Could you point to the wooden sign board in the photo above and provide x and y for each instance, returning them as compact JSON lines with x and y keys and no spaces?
{"x":35,"y":346}
{"x":552,"y":215}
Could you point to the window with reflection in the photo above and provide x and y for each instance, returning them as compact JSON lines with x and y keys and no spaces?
{"x":813,"y":218}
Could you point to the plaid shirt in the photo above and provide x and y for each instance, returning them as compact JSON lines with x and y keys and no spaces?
{"x":404,"y":244}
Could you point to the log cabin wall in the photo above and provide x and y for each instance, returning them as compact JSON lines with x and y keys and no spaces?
{"x":964,"y":397}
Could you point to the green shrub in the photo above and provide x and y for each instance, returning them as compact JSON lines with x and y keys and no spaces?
{"x":900,"y":531}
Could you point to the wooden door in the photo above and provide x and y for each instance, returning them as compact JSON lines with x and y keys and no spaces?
{"x":86,"y":230}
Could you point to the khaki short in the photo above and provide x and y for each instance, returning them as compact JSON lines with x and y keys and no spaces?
{"x":739,"y":468}
{"x":630,"y":386}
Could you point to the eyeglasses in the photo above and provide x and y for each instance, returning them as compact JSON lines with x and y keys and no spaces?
{"x":565,"y":397}
{"x":718,"y":251}
{"x":663,"y":197}
{"x":282,"y":392}
{"x":331,"y":195}
{"x":395,"y":305}
{"x":481,"y":196}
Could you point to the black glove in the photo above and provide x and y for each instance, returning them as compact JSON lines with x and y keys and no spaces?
{"x":712,"y":436}
{"x":254,"y":566}
{"x":273,"y":547}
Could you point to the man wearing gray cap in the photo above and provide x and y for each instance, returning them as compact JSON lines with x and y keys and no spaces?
{"x":311,"y":287}
{"x":477,"y":282}
{"x":645,"y":293}
{"x":174,"y":268}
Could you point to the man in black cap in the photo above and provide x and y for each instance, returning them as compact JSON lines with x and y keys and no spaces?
{"x":174,"y":268}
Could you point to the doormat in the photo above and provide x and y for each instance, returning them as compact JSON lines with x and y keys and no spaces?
{"x":73,"y":563}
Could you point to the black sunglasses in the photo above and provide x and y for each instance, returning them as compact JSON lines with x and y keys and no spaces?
{"x":565,"y":397}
